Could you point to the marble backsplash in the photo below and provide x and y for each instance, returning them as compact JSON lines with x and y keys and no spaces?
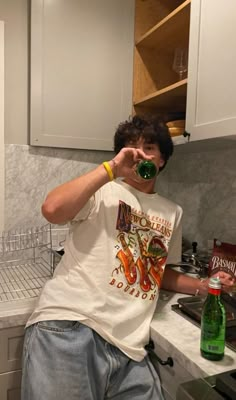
{"x":202,"y":182}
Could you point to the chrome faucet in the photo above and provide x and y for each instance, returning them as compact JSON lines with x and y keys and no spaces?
{"x":193,"y":263}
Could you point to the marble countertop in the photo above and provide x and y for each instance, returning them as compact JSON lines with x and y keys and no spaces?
{"x":180,"y":338}
{"x":176,"y":335}
{"x":16,"y":313}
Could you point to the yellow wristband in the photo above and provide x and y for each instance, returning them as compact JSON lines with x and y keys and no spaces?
{"x":109,"y":170}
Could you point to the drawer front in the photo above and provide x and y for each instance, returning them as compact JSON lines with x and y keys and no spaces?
{"x":11,"y":346}
{"x":10,"y":384}
{"x":170,"y":377}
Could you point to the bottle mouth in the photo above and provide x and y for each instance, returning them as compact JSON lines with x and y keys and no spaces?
{"x":215,"y":283}
{"x":146,"y":169}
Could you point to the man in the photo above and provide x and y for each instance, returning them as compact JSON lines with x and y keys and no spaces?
{"x":85,"y":340}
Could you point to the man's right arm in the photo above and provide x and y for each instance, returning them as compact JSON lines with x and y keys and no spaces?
{"x":64,"y":202}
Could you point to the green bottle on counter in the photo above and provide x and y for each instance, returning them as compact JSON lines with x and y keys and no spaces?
{"x":213,"y":323}
{"x":146,"y":169}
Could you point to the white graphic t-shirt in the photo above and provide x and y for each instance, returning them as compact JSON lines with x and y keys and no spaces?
{"x":110,"y":275}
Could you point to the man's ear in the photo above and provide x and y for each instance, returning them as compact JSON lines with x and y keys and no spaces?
{"x":162,"y":162}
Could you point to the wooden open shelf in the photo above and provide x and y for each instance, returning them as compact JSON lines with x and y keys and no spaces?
{"x":149,"y":13}
{"x":155,"y":85}
{"x":168,"y":31}
{"x":173,"y":96}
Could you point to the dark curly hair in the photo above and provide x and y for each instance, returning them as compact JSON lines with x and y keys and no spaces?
{"x":151,"y":130}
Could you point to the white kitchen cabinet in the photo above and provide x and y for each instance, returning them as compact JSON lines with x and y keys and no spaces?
{"x":211,"y":92}
{"x":81,"y":71}
{"x":2,"y":147}
{"x":170,"y":377}
{"x":11,"y":346}
{"x":208,"y":93}
{"x":10,"y":386}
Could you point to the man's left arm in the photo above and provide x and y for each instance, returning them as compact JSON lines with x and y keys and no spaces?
{"x":180,"y":283}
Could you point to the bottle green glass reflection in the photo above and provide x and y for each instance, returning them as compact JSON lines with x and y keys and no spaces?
{"x":213,"y":323}
{"x":146,"y":169}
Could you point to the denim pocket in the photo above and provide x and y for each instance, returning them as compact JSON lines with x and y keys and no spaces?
{"x":58,"y":325}
{"x":29,"y":333}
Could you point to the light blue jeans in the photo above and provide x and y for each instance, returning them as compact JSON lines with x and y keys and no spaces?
{"x":67,"y":360}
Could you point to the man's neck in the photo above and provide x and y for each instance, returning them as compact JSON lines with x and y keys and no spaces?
{"x":145,"y":187}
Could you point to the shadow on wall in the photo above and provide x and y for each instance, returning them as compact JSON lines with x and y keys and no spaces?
{"x":204,"y":184}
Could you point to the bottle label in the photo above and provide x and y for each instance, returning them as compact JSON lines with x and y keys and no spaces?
{"x":213,"y":338}
{"x":215,"y":292}
{"x":213,"y":347}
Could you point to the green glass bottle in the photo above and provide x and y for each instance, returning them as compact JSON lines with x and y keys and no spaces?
{"x":213,"y":323}
{"x":146,"y":169}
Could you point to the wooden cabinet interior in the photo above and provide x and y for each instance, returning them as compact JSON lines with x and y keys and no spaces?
{"x":160,"y":27}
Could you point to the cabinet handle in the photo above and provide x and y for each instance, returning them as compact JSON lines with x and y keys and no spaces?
{"x":150,"y":349}
{"x":186,"y":134}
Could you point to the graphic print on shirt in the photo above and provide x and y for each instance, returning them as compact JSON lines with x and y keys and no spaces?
{"x":141,"y":252}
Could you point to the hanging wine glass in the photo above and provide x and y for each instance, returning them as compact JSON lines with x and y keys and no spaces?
{"x":180,"y":63}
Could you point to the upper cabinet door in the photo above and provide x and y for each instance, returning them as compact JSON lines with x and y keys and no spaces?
{"x":2,"y":148}
{"x":81,"y":71}
{"x":211,"y":94}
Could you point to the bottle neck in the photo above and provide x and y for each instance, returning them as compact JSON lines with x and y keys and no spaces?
{"x":214,"y":292}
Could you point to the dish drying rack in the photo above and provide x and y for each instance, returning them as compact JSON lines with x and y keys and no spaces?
{"x":28,"y":258}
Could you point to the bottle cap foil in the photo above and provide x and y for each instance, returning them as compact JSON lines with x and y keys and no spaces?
{"x":215,"y":283}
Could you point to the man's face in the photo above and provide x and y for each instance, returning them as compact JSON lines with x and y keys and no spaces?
{"x":151,"y":149}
